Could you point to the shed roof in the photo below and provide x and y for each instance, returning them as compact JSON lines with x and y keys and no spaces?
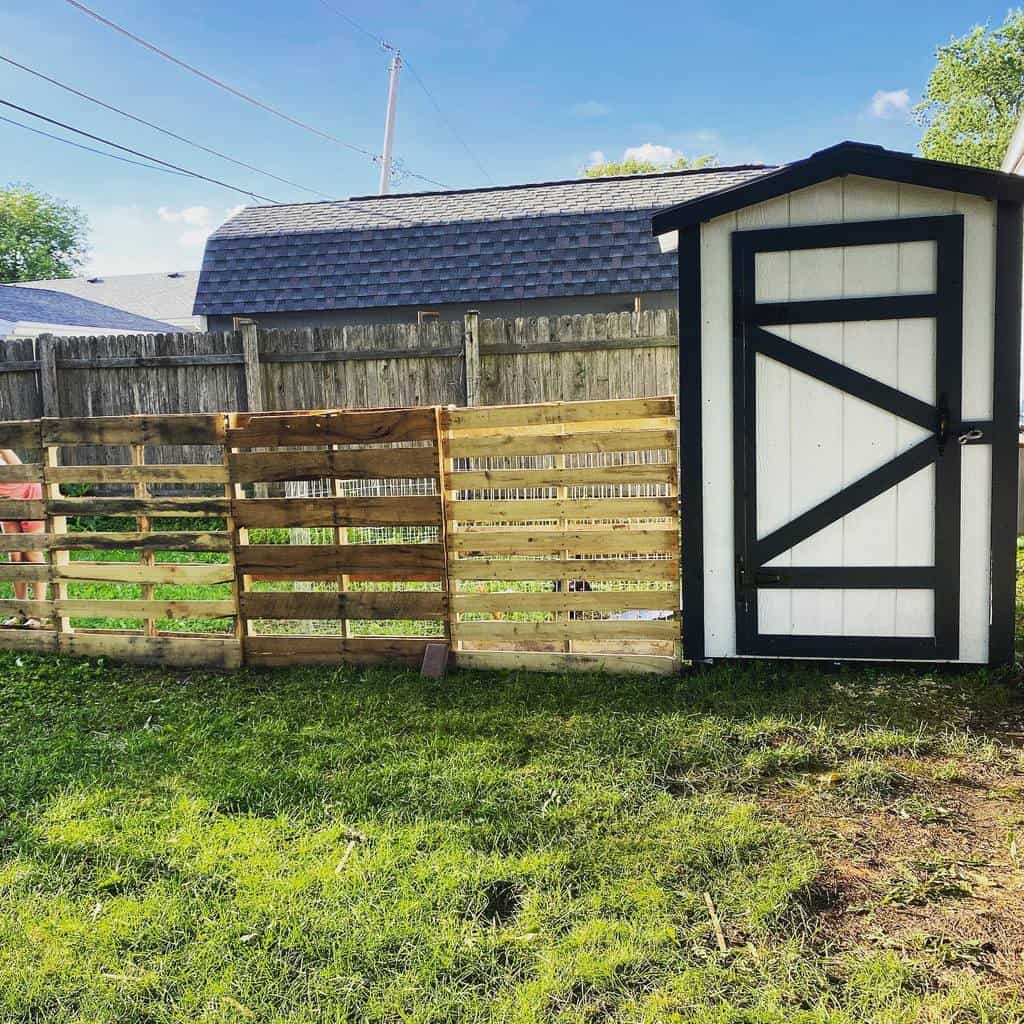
{"x":586,"y":236}
{"x":844,"y":158}
{"x":42,"y":306}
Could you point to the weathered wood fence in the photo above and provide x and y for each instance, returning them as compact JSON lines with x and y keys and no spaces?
{"x":468,"y":362}
{"x":542,"y":536}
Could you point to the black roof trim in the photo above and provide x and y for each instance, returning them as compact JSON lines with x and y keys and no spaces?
{"x":836,"y":161}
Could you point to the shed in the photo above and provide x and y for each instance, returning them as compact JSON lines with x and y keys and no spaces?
{"x":850,"y":331}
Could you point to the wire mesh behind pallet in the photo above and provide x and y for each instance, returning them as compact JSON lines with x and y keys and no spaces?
{"x":563,"y":534}
{"x":362,"y":556}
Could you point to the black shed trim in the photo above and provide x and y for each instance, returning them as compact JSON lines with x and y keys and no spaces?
{"x":836,"y":161}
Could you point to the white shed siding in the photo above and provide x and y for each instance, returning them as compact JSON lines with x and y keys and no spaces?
{"x":904,"y":357}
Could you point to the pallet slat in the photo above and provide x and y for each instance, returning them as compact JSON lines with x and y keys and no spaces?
{"x":573,"y":629}
{"x":649,"y":540}
{"x":133,"y":507}
{"x":584,"y":476}
{"x":136,"y":541}
{"x":143,"y":609}
{"x":503,"y":445}
{"x":578,"y":569}
{"x":275,"y":512}
{"x":573,"y":601}
{"x":177,"y":651}
{"x":34,"y":641}
{"x":309,"y":561}
{"x":24,"y":473}
{"x":30,"y":609}
{"x":127,"y":430}
{"x":525,"y":510}
{"x":360,"y":464}
{"x":374,"y":426}
{"x":199,"y":574}
{"x":329,"y":605}
{"x":159,"y":474}
{"x":555,"y":413}
{"x":272,"y":651}
{"x":534,"y":661}
{"x":15,"y":509}
{"x":24,"y":572}
{"x":21,"y":434}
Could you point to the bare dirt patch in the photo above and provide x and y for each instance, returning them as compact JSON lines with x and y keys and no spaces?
{"x":938,"y":870}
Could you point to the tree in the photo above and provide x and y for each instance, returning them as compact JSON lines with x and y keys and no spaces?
{"x":974,"y":96}
{"x":633,"y":166}
{"x":41,"y":237}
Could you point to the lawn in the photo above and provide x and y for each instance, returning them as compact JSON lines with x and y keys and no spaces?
{"x":353,"y":845}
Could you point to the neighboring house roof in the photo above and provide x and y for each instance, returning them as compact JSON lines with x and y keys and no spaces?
{"x":844,"y":158}
{"x":40,"y":307}
{"x":587,"y":236}
{"x":168,"y":297}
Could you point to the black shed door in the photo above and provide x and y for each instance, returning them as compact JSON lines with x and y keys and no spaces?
{"x":847,"y":382}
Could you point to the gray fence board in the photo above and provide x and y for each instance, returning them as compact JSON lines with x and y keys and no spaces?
{"x":542,"y":359}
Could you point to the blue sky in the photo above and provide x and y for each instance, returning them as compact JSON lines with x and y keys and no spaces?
{"x":536,"y":89}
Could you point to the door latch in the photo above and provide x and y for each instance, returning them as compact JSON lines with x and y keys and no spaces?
{"x":747,"y":580}
{"x":974,"y":434}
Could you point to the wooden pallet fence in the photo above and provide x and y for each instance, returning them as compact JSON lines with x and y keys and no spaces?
{"x":563,"y":535}
{"x":529,"y":537}
{"x":380,"y":558}
{"x":116,"y":580}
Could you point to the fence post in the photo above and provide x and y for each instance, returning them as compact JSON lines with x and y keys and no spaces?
{"x":251,"y":356}
{"x":48,"y":375}
{"x":471,"y":356}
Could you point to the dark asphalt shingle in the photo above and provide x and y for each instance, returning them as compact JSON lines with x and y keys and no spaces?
{"x":581,"y":237}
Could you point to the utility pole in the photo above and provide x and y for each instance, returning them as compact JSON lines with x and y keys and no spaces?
{"x":389,"y":125}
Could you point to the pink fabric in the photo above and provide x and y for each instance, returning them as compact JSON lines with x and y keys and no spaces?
{"x":24,"y":492}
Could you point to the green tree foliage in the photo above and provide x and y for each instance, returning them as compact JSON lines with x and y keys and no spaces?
{"x":974,"y":96}
{"x":611,"y":168}
{"x":41,"y":237}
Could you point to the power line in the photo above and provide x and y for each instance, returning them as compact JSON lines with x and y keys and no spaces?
{"x":451,"y":127}
{"x":355,"y":24}
{"x":154,"y":167}
{"x":135,"y":152}
{"x":235,"y":92}
{"x":156,"y":127}
{"x":384,"y":44}
{"x":90,"y":149}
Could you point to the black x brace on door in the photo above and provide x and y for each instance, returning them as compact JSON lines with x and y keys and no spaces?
{"x":940,"y":448}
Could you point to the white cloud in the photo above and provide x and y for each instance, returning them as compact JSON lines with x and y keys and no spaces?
{"x":595,"y":157}
{"x":591,"y":108}
{"x":134,"y":239}
{"x":650,"y":152}
{"x":197,"y":216}
{"x":891,"y":103}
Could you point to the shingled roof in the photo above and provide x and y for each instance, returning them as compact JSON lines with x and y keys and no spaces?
{"x":42,"y":306}
{"x":587,"y":236}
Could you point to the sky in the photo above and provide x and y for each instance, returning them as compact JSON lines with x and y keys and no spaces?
{"x":528,"y":90}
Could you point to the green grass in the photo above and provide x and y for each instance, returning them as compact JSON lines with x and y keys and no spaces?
{"x":328,"y":846}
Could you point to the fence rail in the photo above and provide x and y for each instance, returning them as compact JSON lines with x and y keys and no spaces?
{"x":542,"y":536}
